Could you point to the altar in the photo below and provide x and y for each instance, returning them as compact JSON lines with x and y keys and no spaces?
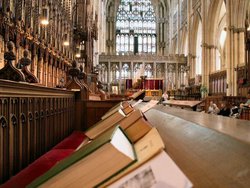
{"x":152,"y":86}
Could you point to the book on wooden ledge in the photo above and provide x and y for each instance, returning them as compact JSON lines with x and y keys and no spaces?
{"x":146,"y":148}
{"x":135,"y":126}
{"x":115,"y":108}
{"x":158,"y":172}
{"x":92,"y":164}
{"x":105,"y":124}
{"x":138,"y":95}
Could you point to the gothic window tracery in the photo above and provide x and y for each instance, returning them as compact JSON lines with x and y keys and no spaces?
{"x":135,"y":27}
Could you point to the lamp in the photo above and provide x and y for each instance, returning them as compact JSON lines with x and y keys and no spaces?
{"x":65,"y":40}
{"x":44,"y":17}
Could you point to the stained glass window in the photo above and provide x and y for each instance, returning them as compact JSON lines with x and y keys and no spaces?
{"x":135,"y":27}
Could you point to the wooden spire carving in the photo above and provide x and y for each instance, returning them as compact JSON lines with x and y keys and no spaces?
{"x":23,"y":64}
{"x":9,"y":72}
{"x":74,"y":82}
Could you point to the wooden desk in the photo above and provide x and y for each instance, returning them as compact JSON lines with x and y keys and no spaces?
{"x":213,"y":151}
{"x":182,"y":103}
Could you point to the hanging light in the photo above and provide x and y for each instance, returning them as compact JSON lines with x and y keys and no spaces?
{"x":65,"y":40}
{"x":44,"y":17}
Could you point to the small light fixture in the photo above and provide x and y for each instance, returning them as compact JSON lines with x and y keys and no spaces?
{"x":65,"y":40}
{"x":82,"y":46}
{"x":78,"y":55}
{"x":44,"y":18}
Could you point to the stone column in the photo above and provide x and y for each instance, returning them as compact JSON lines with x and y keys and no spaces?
{"x":205,"y":62}
{"x":109,"y":79}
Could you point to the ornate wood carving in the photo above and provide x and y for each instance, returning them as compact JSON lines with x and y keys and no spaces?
{"x":32,"y":120}
{"x":23,"y":63}
{"x":9,"y":72}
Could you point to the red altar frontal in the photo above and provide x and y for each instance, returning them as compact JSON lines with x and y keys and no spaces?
{"x":147,"y":84}
{"x":152,"y":86}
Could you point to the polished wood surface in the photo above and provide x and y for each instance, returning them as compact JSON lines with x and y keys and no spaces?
{"x":236,"y":128}
{"x":213,"y":151}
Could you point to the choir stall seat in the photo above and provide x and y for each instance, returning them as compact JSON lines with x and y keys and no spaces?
{"x":46,"y":161}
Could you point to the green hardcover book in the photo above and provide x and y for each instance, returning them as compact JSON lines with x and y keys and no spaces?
{"x":93,"y":164}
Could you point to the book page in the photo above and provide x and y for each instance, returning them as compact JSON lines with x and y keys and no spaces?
{"x":121,"y":143}
{"x":159,"y":172}
{"x":146,"y":148}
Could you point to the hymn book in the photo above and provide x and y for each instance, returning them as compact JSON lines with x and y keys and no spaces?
{"x":158,"y":172}
{"x":135,"y":126}
{"x":105,"y":124}
{"x":115,"y":108}
{"x":92,"y":164}
{"x":146,"y":148}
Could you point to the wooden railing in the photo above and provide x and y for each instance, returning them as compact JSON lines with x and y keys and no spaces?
{"x":245,"y":114}
{"x":32,"y":120}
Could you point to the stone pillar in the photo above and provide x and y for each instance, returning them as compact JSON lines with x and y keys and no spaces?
{"x":154,"y":69}
{"x":204,"y":62}
{"x":109,"y":79}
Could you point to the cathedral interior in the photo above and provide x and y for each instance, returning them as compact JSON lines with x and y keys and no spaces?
{"x":65,"y":63}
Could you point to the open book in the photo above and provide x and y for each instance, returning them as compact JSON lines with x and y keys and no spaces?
{"x":158,"y":172}
{"x":92,"y":164}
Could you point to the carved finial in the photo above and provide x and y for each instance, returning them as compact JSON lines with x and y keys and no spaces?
{"x":9,"y":72}
{"x":25,"y":61}
{"x":22,"y":64}
{"x":74,"y":82}
{"x":9,"y":56}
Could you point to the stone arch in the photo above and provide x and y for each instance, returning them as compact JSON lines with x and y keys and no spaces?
{"x":212,"y":20}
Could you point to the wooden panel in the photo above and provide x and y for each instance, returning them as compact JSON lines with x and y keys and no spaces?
{"x":245,"y":114}
{"x":217,"y":83}
{"x":32,"y":120}
{"x":94,"y":110}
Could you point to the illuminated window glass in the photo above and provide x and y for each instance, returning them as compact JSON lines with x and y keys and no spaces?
{"x":135,"y":24}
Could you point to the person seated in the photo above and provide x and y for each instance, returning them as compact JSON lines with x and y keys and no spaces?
{"x":225,"y":111}
{"x":165,"y":96}
{"x":210,"y":108}
{"x":215,"y":110}
{"x":234,"y":112}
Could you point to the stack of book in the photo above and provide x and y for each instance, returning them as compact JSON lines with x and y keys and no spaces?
{"x":123,"y":150}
